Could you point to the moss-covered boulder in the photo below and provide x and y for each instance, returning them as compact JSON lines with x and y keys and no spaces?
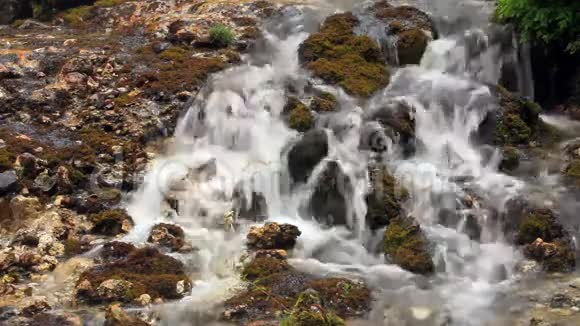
{"x":411,"y":45}
{"x":300,"y":118}
{"x":557,"y":256}
{"x":339,"y":56}
{"x":540,"y":223}
{"x":413,"y":30}
{"x":277,"y":289}
{"x":324,"y":102}
{"x":406,"y":245}
{"x":273,"y":236}
{"x":111,"y":222}
{"x":143,"y":271}
{"x":516,"y":122}
{"x":385,"y":199}
{"x":572,"y":169}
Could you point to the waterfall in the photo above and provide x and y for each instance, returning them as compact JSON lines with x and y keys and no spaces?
{"x":233,"y":142}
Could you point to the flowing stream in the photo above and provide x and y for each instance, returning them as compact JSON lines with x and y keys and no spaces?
{"x":233,"y":142}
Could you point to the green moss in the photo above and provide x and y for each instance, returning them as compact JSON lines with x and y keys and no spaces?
{"x":512,"y":130}
{"x":306,"y":313}
{"x":573,"y":169}
{"x":411,"y":45}
{"x":72,"y":247}
{"x":519,"y":122}
{"x":539,"y":224}
{"x":339,"y":56}
{"x":342,"y":296}
{"x":77,"y":16}
{"x":6,"y":159}
{"x":175,"y":53}
{"x":124,"y":100}
{"x":147,"y":269}
{"x":110,"y":222}
{"x":109,"y":3}
{"x":300,"y":118}
{"x":221,"y":35}
{"x":510,"y":159}
{"x":385,"y":201}
{"x":407,"y":247}
{"x":264,"y":266}
{"x":325,"y":102}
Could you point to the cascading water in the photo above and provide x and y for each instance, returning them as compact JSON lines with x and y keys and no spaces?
{"x":233,"y":143}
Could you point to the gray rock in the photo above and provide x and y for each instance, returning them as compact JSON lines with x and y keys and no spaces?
{"x":8,"y":182}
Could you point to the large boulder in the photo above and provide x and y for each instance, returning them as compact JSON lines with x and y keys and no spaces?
{"x":276,"y":286}
{"x":406,"y":245}
{"x":339,"y":56}
{"x":329,"y":201}
{"x":306,"y":154}
{"x":412,"y":28}
{"x":143,"y":271}
{"x":515,"y":122}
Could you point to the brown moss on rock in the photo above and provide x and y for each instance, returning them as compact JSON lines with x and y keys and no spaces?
{"x":339,"y":56}
{"x":174,"y":70}
{"x":299,"y":116}
{"x":324,"y":102}
{"x":264,"y":266}
{"x":411,"y":45}
{"x":116,"y":250}
{"x":278,"y":289}
{"x":406,"y":245}
{"x":148,"y":271}
{"x":385,"y":200}
{"x":111,"y":222}
{"x":405,"y":16}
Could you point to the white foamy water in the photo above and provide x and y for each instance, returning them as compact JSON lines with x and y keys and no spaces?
{"x":233,"y":140}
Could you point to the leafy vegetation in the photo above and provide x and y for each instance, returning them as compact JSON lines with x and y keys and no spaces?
{"x":552,"y":21}
{"x":221,"y":35}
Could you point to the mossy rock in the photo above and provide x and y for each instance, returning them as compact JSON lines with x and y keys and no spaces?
{"x":300,"y":118}
{"x":406,"y":17}
{"x":111,"y":222}
{"x":385,"y":200}
{"x":324,"y":102}
{"x":517,"y":122}
{"x":539,"y":223}
{"x":278,"y":289}
{"x":149,"y":272}
{"x":339,"y":56}
{"x":411,"y":46}
{"x":116,"y":250}
{"x":558,"y":256}
{"x":261,"y":267}
{"x":398,"y":121}
{"x":510,"y":159}
{"x":406,"y":245}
